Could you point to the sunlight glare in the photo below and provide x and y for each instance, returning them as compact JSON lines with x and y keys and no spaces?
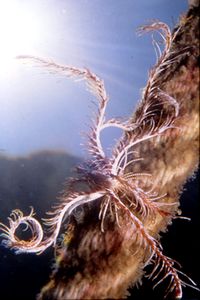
{"x":19,"y":33}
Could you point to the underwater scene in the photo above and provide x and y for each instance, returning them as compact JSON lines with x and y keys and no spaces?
{"x":98,"y":145}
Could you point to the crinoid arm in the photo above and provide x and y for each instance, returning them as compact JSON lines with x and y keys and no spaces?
{"x":37,"y":243}
{"x":164,"y":59}
{"x":96,"y":86}
{"x":17,"y":219}
{"x":163,"y":264}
